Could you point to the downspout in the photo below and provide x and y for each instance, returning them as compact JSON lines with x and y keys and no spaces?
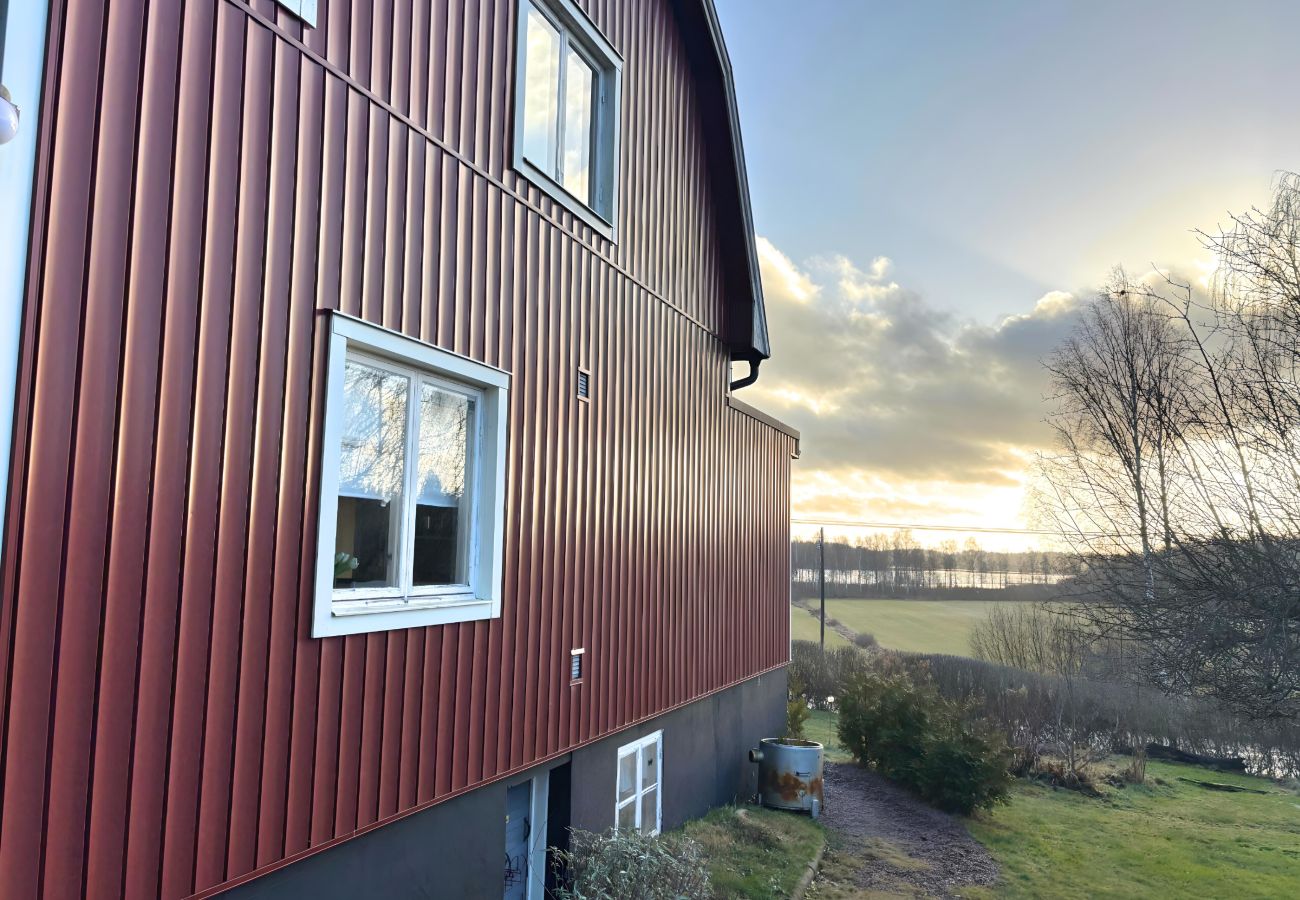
{"x":749,"y":378}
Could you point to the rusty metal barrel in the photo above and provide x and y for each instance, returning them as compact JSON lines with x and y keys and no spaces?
{"x":789,"y":774}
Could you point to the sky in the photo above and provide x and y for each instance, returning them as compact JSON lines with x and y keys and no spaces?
{"x":938,"y":186}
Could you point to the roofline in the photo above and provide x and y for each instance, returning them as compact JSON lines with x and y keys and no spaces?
{"x":762,"y":350}
{"x":753,"y":346}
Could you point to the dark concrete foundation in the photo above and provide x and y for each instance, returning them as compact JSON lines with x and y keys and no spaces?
{"x":455,"y":849}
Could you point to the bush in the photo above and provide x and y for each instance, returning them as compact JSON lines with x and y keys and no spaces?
{"x":796,"y":709}
{"x":616,"y":865}
{"x":822,"y":676}
{"x":912,"y":735}
{"x":1136,"y":771}
{"x":866,"y":641}
{"x":796,"y":716}
{"x":1041,"y":713}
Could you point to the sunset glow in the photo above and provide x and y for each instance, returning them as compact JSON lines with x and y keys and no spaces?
{"x":931,"y":220}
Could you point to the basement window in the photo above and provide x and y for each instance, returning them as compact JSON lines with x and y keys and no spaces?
{"x":412,"y":485}
{"x":639,"y":802}
{"x":567,"y":109}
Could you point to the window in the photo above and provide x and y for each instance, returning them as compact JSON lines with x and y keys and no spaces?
{"x":412,"y":484}
{"x":303,"y":9}
{"x":567,"y":109}
{"x":638,"y":801}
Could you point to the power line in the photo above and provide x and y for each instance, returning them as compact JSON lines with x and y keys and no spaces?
{"x":918,"y":527}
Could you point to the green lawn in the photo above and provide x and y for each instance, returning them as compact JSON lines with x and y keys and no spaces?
{"x":805,"y":627}
{"x":821,"y":728}
{"x":1167,"y":840}
{"x":919,"y":626}
{"x":755,"y":853}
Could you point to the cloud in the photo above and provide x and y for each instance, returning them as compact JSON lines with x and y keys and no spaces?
{"x":851,"y":281}
{"x":887,"y":387}
{"x":782,"y":276}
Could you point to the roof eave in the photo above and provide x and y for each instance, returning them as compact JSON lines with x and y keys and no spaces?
{"x":746,"y":326}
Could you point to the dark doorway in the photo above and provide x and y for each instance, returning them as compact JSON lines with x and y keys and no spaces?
{"x":558,"y":811}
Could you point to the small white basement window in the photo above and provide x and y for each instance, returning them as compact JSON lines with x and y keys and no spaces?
{"x":412,"y":487}
{"x":639,"y":800}
{"x":567,"y":109}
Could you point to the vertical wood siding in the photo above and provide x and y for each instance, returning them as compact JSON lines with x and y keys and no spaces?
{"x":213,"y":177}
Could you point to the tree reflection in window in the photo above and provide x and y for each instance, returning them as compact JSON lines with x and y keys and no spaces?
{"x":371,"y":467}
{"x":442,"y":500}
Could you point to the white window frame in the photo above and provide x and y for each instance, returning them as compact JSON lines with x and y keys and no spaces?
{"x":405,"y":605}
{"x":638,"y":748}
{"x":576,"y":31}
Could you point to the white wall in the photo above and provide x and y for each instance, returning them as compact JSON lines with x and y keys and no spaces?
{"x":24,"y":58}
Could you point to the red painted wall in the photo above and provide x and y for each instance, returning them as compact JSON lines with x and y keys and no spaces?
{"x":212,"y":177}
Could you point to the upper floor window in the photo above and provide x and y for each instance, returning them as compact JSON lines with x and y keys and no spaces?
{"x":566,"y":109}
{"x":412,"y":485}
{"x":303,"y":9}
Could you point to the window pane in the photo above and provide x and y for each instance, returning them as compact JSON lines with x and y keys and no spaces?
{"x":441,"y":484}
{"x":541,"y":92}
{"x":372,"y":462}
{"x":627,"y":776}
{"x":579,"y":81}
{"x":627,"y":817}
{"x":650,"y":771}
{"x":650,"y":811}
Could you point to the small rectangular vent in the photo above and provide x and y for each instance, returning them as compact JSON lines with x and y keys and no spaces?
{"x":575,"y":665}
{"x":584,"y":384}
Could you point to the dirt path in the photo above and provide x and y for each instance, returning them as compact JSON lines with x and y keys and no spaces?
{"x":886,"y":842}
{"x":839,"y":627}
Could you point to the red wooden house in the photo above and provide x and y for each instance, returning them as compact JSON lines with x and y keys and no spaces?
{"x":377,"y":504}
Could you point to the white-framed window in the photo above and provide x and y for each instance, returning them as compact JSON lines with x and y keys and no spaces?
{"x":638,"y":800}
{"x":303,"y":9}
{"x":567,"y":89}
{"x":412,"y":488}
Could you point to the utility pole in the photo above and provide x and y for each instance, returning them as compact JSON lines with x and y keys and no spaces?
{"x":821,"y":561}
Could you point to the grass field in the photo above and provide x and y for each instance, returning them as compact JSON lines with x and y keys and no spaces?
{"x":919,"y":626}
{"x":1165,"y":840}
{"x":805,"y":627}
{"x":757,"y":855}
{"x":820,"y":727}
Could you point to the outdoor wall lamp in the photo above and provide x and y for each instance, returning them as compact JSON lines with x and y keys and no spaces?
{"x":8,"y":116}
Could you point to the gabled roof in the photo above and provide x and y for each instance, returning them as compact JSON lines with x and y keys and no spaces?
{"x":746,"y":321}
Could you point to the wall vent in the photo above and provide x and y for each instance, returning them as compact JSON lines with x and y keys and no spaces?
{"x":575,"y":664}
{"x":584,"y":384}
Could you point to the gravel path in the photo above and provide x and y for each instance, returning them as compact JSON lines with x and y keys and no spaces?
{"x":901,"y":841}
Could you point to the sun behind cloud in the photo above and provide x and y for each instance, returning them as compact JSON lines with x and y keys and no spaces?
{"x":908,"y":414}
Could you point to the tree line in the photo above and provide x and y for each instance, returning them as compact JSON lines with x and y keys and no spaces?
{"x":895,"y":564}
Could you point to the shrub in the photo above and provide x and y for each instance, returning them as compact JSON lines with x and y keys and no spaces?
{"x":964,"y":770}
{"x":822,"y":676}
{"x":866,"y":641}
{"x":1136,"y":771}
{"x":910,"y":734}
{"x":796,"y":709}
{"x":1046,"y":714}
{"x":616,"y":865}
{"x":796,"y":716}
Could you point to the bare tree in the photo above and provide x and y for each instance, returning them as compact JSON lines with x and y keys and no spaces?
{"x":1178,"y":472}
